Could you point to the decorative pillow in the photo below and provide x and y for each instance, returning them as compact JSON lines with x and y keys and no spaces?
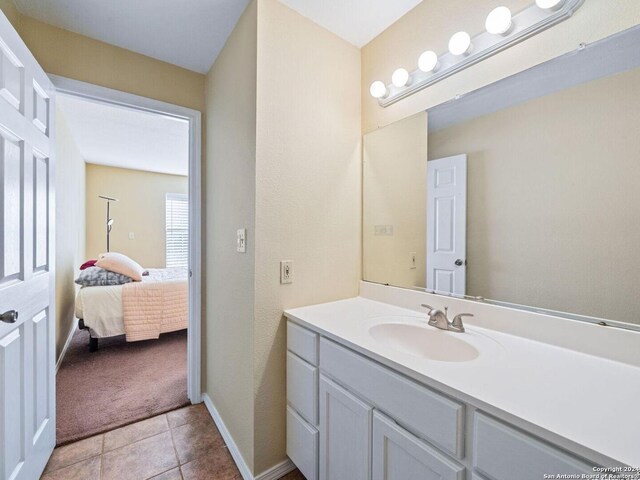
{"x":96,"y":276}
{"x":87,"y":264}
{"x":119,"y":263}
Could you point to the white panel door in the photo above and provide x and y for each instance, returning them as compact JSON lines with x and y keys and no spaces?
{"x":447,"y":224}
{"x":345,"y":434}
{"x":27,"y":348}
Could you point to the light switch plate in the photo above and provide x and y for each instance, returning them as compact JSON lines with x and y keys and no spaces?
{"x":242,"y":240}
{"x":132,"y":236}
{"x":412,"y":260}
{"x":384,"y":230}
{"x":286,"y":271}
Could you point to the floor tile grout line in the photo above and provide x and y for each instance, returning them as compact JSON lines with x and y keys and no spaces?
{"x":163,"y":472}
{"x":101,"y":462}
{"x":158,"y":434}
{"x":175,"y":450}
{"x":76,"y":462}
{"x":135,"y":441}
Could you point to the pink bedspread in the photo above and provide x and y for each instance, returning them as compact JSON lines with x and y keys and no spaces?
{"x":158,"y":304}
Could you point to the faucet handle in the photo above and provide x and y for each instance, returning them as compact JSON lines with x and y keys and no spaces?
{"x":457,"y":320}
{"x":428,"y":307}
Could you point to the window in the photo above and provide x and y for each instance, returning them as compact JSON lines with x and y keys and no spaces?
{"x":177,"y":223}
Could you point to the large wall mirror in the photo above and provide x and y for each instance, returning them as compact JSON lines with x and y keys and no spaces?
{"x":525,"y":192}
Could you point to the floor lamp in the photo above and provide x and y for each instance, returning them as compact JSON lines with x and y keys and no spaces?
{"x":109,"y":219}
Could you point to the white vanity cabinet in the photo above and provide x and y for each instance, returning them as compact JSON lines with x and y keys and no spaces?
{"x":351,"y":418}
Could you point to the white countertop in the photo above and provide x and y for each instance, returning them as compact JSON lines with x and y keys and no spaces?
{"x":589,"y":400}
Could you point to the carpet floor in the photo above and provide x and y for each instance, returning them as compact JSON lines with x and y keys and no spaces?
{"x":119,"y":384}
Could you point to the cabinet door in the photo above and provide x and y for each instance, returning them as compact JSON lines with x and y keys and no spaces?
{"x":345,"y":434}
{"x":399,"y":455}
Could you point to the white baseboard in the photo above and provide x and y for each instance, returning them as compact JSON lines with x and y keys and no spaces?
{"x":66,"y":344}
{"x":278,"y":471}
{"x":245,"y":471}
{"x":274,"y":473}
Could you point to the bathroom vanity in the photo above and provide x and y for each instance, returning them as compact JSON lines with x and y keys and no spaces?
{"x":374,"y":392}
{"x":506,"y":203}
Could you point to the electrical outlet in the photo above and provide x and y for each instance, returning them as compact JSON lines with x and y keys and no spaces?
{"x":412,"y":260}
{"x":241,"y":240}
{"x":286,"y":271}
{"x":132,"y":236}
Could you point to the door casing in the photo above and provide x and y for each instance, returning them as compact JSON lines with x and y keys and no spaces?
{"x":88,"y":91}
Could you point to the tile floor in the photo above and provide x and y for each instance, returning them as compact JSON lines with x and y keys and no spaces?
{"x":180,"y":445}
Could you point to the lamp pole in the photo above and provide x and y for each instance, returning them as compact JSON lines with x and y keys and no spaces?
{"x":109,"y":222}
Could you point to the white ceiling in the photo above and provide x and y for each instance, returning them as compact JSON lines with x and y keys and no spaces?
{"x":126,"y":138}
{"x":188,"y":33}
{"x":356,"y":21}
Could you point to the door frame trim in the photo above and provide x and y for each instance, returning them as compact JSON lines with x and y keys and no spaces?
{"x":100,"y":94}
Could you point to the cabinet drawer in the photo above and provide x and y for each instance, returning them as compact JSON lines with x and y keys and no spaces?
{"x":302,"y":388}
{"x":302,"y":342}
{"x":501,"y":452}
{"x":302,"y":445}
{"x":426,"y":413}
{"x":399,"y":455}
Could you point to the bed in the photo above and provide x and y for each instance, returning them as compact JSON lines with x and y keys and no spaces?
{"x":138,"y":310}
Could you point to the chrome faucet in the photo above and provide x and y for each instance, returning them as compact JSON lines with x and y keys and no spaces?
{"x":439,"y":319}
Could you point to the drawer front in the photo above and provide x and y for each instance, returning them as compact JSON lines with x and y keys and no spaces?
{"x":428,"y":414}
{"x":302,"y":445}
{"x":501,"y":452}
{"x":302,"y":388}
{"x":399,"y":455}
{"x":302,"y":342}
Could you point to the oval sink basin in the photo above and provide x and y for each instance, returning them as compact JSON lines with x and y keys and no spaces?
{"x":424,"y":341}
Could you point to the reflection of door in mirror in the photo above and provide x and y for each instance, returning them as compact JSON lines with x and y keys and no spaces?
{"x":446,"y":224}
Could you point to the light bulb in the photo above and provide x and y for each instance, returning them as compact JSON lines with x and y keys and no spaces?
{"x":400,"y":78}
{"x":549,"y":4}
{"x":378,"y":89}
{"x":428,"y":61}
{"x":460,"y":43}
{"x":498,"y":21}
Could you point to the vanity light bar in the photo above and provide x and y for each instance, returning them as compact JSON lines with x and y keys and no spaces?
{"x":503,"y":31}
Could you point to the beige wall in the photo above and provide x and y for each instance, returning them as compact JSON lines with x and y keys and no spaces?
{"x":308,"y":193}
{"x":285,"y":164}
{"x":70,"y":226}
{"x":394,"y":193}
{"x":230,"y":181}
{"x":140,"y":209}
{"x":431,"y":23}
{"x":553,"y":199}
{"x":69,"y":54}
{"x":11,"y":12}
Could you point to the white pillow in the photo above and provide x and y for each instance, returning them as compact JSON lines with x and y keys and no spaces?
{"x":119,"y":263}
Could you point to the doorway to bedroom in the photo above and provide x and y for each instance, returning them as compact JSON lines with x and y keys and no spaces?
{"x":126,"y":243}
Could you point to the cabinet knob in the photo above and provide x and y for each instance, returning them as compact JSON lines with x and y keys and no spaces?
{"x":9,"y":316}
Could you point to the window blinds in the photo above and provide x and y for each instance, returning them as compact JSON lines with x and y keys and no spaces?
{"x":177,"y":223}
